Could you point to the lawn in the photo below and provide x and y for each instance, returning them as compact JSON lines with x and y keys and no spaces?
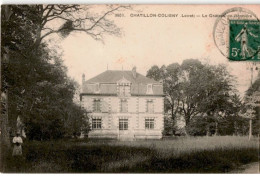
{"x":218,"y":154}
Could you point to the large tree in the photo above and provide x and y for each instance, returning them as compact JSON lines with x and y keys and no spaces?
{"x":34,"y":76}
{"x":207,"y":90}
{"x":171,"y":77}
{"x":228,"y":123}
{"x":193,"y":88}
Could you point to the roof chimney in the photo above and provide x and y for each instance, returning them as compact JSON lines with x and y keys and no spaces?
{"x":83,"y":81}
{"x":134,"y":72}
{"x":83,"y":78}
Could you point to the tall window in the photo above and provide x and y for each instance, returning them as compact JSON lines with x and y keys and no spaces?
{"x":96,"y":123}
{"x":97,"y":105}
{"x":123,"y":105}
{"x":149,"y":123}
{"x":123,"y":124}
{"x":150,"y":106}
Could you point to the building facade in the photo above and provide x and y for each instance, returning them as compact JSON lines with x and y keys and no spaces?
{"x":123,"y":105}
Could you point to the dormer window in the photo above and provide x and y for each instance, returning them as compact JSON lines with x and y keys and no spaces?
{"x":122,"y":90}
{"x":97,"y":87}
{"x":149,"y":89}
{"x":123,"y":87}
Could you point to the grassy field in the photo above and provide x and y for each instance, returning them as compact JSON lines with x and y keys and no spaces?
{"x":218,"y":154}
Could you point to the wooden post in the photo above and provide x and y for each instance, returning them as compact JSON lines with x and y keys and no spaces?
{"x":250,"y":129}
{"x":216,"y":129}
{"x":250,"y":118}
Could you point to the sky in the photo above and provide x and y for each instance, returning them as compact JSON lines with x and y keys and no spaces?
{"x":148,"y":41}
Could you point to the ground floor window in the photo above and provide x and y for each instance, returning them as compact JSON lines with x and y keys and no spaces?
{"x":123,"y":124}
{"x":149,"y":123}
{"x":96,"y":123}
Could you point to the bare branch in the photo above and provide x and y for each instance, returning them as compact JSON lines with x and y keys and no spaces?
{"x":96,"y":27}
{"x":46,"y":34}
{"x":101,"y":18}
{"x":60,"y":17}
{"x":47,"y":7}
{"x":47,"y":29}
{"x":44,"y":20}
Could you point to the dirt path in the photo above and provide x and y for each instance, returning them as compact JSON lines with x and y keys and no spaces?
{"x":251,"y":168}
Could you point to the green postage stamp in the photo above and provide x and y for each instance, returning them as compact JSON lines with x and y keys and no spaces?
{"x":244,"y":40}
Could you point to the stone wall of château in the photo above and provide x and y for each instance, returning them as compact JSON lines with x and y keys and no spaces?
{"x":136,"y":115}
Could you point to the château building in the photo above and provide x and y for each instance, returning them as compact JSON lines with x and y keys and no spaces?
{"x":123,"y":105}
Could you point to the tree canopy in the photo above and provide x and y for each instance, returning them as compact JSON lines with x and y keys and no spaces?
{"x":33,"y":74}
{"x":195,"y":89}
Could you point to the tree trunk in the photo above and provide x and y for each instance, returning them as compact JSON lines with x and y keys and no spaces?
{"x":5,"y":139}
{"x":216,"y":128}
{"x":187,"y":119}
{"x":250,"y":129}
{"x":235,"y":129}
{"x":207,"y":130}
{"x":38,"y":38}
{"x":172,"y":111}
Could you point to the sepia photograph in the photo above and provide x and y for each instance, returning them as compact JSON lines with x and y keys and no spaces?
{"x":130,"y":88}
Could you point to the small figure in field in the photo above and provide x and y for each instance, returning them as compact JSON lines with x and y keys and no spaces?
{"x":17,"y":141}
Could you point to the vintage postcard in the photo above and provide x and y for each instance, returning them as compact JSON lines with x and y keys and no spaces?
{"x":130,"y":88}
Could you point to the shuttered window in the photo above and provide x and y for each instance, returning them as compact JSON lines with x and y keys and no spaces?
{"x":97,"y":105}
{"x":123,"y":105}
{"x":150,"y":106}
